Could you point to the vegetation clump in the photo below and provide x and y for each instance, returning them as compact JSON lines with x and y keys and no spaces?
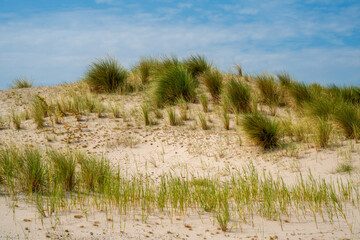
{"x":348,"y":118}
{"x":237,"y":94}
{"x":171,"y":84}
{"x":261,"y":129}
{"x":268,"y":88}
{"x":196,"y":65}
{"x":106,"y":75}
{"x":213,"y":80}
{"x":145,"y":68}
{"x":21,"y":83}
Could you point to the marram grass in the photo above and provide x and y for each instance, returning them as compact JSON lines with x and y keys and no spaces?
{"x":21,"y":83}
{"x":196,"y":65}
{"x":106,"y":75}
{"x":237,"y":94}
{"x":236,"y":199}
{"x":213,"y":80}
{"x":261,"y":129}
{"x":268,"y":88}
{"x":171,"y":84}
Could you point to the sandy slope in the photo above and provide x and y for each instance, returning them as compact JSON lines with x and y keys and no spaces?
{"x":164,"y":148}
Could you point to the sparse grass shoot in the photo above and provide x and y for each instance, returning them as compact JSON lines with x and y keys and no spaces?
{"x":203,"y":121}
{"x":204,"y":103}
{"x":323,"y":132}
{"x":173,"y":121}
{"x":145,"y":114}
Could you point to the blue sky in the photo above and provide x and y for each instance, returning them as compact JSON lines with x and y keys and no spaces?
{"x":53,"y":42}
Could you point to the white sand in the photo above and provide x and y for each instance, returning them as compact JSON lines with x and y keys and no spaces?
{"x":161,"y":149}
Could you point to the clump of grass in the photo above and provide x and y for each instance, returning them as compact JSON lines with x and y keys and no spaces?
{"x":115,"y":109}
{"x":9,"y":158}
{"x":16,"y":119}
{"x":197,"y":65}
{"x":261,"y":129}
{"x":21,"y":83}
{"x":237,"y":94}
{"x":144,"y":69}
{"x":173,"y":121}
{"x":345,"y":168}
{"x":349,"y":94}
{"x":106,"y":75}
{"x":94,"y":173}
{"x":172,"y":83}
{"x":64,"y":168}
{"x":204,"y":102}
{"x":203,"y":122}
{"x":320,"y":107}
{"x":268,"y":88}
{"x":301,"y":93}
{"x":39,"y":110}
{"x":225,"y":118}
{"x":183,"y":108}
{"x":323,"y":132}
{"x":348,"y":118}
{"x":100,"y":109}
{"x":239,"y":70}
{"x":32,"y":170}
{"x":145,"y":114}
{"x":223,"y":213}
{"x":213,"y":80}
{"x":285,"y":79}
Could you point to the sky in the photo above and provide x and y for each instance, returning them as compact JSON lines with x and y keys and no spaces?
{"x":53,"y":42}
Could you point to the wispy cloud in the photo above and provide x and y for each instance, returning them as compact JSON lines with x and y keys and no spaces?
{"x":56,"y":47}
{"x":104,"y":1}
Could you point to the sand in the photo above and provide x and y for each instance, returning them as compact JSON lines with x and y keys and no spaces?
{"x":162,"y":148}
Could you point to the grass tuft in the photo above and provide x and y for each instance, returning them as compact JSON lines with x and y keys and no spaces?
{"x":39,"y":110}
{"x":268,"y":88}
{"x":204,"y":103}
{"x":203,"y":122}
{"x":32,"y":170}
{"x":323,"y":132}
{"x":21,"y":83}
{"x":237,"y":94}
{"x":94,"y":173}
{"x":172,"y":83}
{"x":64,"y":168}
{"x":213,"y":80}
{"x":145,"y":114}
{"x":261,"y":129}
{"x":301,"y":93}
{"x":285,"y":79}
{"x":348,"y":118}
{"x":16,"y":119}
{"x":196,"y":65}
{"x":239,"y":70}
{"x":173,"y":121}
{"x":106,"y":75}
{"x":145,"y":68}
